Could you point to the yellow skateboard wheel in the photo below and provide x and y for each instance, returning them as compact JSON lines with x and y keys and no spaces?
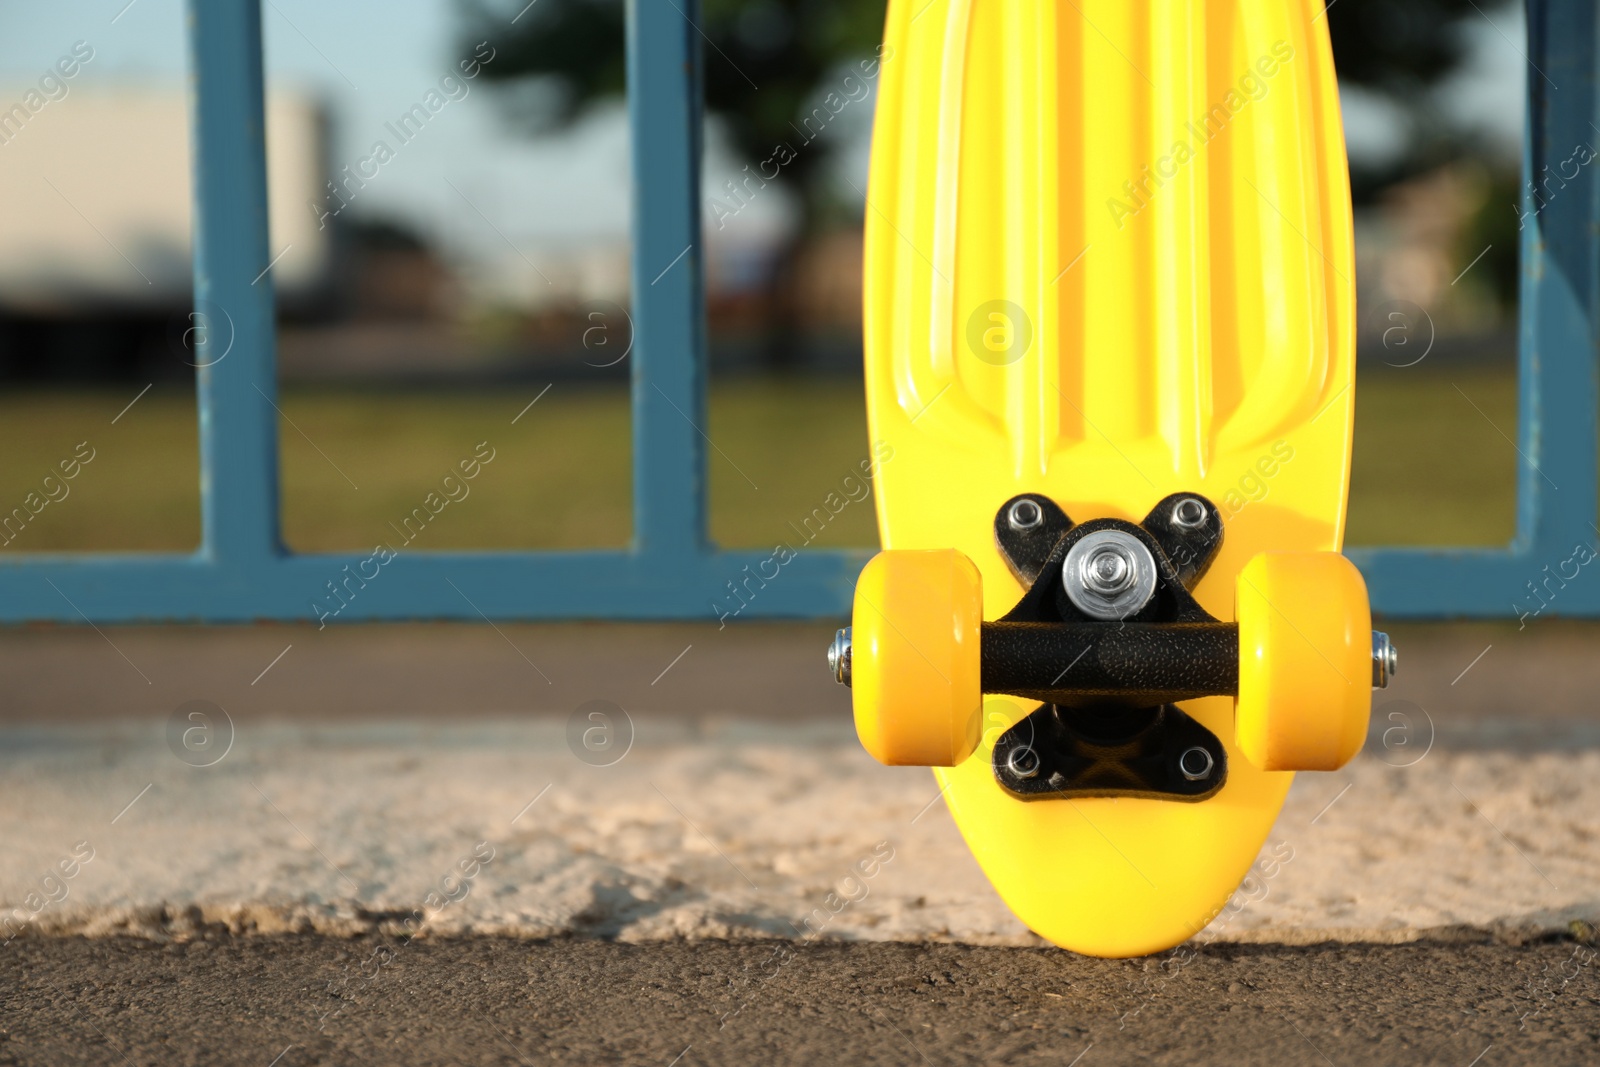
{"x":1305,"y":661}
{"x":914,"y":657}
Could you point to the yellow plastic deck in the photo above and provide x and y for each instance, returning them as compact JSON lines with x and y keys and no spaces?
{"x":1108,"y":258}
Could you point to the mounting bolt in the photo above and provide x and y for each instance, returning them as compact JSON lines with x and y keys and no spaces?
{"x":1023,"y":761}
{"x":1385,"y":660}
{"x":1188,"y":513}
{"x":1024,"y":515}
{"x":839,"y":657}
{"x":1195,"y":764}
{"x":1109,"y":574}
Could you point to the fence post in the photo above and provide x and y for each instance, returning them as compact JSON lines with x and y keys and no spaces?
{"x":1558,"y":490}
{"x":669,"y":421}
{"x":232,"y":330}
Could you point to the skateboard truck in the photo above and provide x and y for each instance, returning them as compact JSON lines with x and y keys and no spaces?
{"x":1109,"y":639}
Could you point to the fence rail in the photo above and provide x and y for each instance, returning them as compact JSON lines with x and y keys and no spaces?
{"x":243,"y":573}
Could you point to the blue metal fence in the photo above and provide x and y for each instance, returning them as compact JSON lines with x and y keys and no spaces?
{"x":242,"y":572}
{"x":1558,"y":476}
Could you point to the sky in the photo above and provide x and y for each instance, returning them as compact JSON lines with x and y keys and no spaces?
{"x":370,"y":60}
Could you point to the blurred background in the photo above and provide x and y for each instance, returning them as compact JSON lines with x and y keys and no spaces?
{"x":450,"y":217}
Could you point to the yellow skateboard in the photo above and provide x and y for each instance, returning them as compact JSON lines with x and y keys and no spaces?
{"x":1109,"y":345}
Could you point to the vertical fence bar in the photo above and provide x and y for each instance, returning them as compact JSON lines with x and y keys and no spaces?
{"x":669,"y":455}
{"x":1559,"y":490}
{"x":233,"y":322}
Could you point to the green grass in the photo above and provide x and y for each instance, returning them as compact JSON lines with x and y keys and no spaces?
{"x":1434,"y":462}
{"x":1431,"y":464}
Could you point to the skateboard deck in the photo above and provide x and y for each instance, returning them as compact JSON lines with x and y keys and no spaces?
{"x":1108,"y":259}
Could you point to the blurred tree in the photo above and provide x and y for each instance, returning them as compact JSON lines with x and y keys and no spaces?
{"x":1496,"y":227}
{"x":572,"y":51}
{"x":1401,"y":49}
{"x":570,"y":54}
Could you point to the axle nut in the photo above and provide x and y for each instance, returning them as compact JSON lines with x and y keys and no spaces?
{"x":839,"y":657}
{"x":1385,"y":660}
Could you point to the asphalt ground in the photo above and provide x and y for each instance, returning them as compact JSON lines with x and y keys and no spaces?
{"x":291,"y":1001}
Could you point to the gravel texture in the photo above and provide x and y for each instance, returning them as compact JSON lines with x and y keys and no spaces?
{"x":706,"y":831}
